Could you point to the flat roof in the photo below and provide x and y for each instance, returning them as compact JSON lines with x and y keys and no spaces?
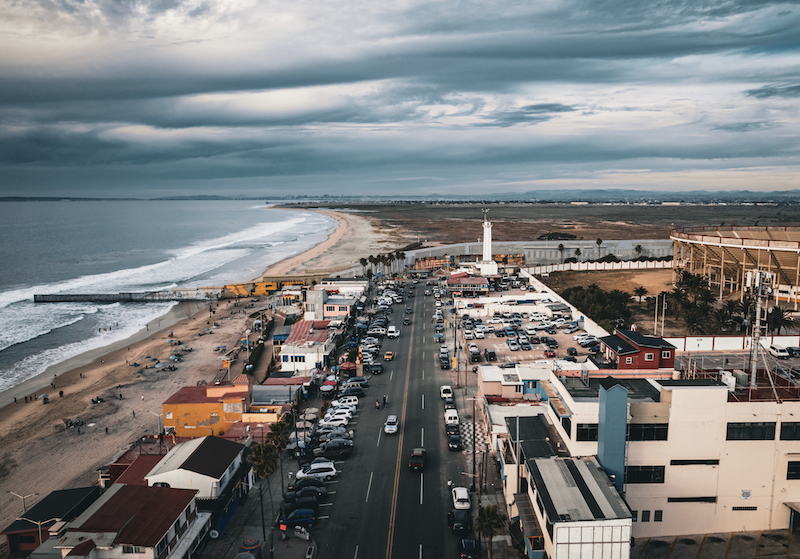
{"x":576,"y":490}
{"x":198,"y":395}
{"x":64,"y":504}
{"x":534,"y":438}
{"x":638,"y":388}
{"x":208,"y":456}
{"x":618,"y":345}
{"x":645,"y":341}
{"x":134,"y":474}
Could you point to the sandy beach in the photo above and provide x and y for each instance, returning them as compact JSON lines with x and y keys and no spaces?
{"x":39,"y":455}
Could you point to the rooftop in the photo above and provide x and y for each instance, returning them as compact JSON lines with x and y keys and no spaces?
{"x":208,"y":456}
{"x":309,"y":331}
{"x":645,"y":341}
{"x":199,"y":395}
{"x":618,"y":345}
{"x":534,"y":437}
{"x":638,"y":389}
{"x":64,"y":504}
{"x":134,"y":474}
{"x":576,"y":490}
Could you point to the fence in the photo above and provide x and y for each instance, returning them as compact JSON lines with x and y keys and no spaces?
{"x":591,"y":266}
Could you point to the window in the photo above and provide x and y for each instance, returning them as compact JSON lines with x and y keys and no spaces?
{"x":214,"y":414}
{"x":285,"y":358}
{"x":691,"y":499}
{"x":665,"y":354}
{"x":567,"y":424}
{"x":634,"y":515}
{"x":532,"y":385}
{"x":518,"y":388}
{"x":628,"y":360}
{"x":744,"y":508}
{"x":648,"y":431}
{"x":645,"y":516}
{"x":793,"y":470}
{"x":168,"y":415}
{"x":649,"y":356}
{"x":790,"y":431}
{"x":162,"y":545}
{"x":330,"y":308}
{"x":133,"y":549}
{"x":760,"y":431}
{"x":343,"y":309}
{"x":709,"y":462}
{"x":644,"y":474}
{"x":658,"y":515}
{"x":586,"y":432}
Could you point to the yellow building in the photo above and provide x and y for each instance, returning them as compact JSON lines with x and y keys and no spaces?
{"x":197,"y":411}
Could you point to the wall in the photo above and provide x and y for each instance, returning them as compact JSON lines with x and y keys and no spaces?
{"x":729,"y":343}
{"x":591,"y":266}
{"x":196,"y":419}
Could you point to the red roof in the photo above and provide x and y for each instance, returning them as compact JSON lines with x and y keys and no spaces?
{"x":302,"y":332}
{"x":242,"y":378}
{"x":134,"y":474}
{"x":198,"y":395}
{"x":465,"y":279}
{"x":287,"y":381}
{"x":139,"y":515}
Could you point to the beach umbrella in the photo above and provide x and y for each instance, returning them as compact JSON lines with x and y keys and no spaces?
{"x":139,"y":372}
{"x":302,"y":424}
{"x":154,"y":359}
{"x":311,"y":410}
{"x":327,"y":388}
{"x":44,"y":395}
{"x":148,"y":357}
{"x":250,"y":544}
{"x":330,"y":383}
{"x":308,"y":416}
{"x":348,"y":365}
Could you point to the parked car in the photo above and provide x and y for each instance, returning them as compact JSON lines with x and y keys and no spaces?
{"x":298,"y":517}
{"x":293,"y":502}
{"x":490,"y":354}
{"x":335,"y":421}
{"x":468,"y":548}
{"x":461,"y":498}
{"x":508,"y":364}
{"x":444,"y":362}
{"x":512,"y":344}
{"x":345,"y":401}
{"x":299,"y":484}
{"x":793,"y":351}
{"x":376,"y":368}
{"x":572,"y":351}
{"x":778,"y":352}
{"x":454,"y":441}
{"x":460,"y":521}
{"x":353,"y":391}
{"x":417,"y":459}
{"x":449,"y":404}
{"x":323,"y":470}
{"x":391,"y":426}
{"x":549,"y":352}
{"x":335,"y":448}
{"x":451,"y":429}
{"x":525,"y":346}
{"x":445,"y":391}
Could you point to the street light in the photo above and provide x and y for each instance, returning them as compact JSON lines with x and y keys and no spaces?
{"x":23,"y":497}
{"x":39,"y":524}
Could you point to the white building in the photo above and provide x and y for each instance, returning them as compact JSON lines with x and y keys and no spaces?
{"x":308,"y":346}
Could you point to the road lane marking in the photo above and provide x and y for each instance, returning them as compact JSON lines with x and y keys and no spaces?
{"x":421,"y":480}
{"x":356,"y":555}
{"x":379,"y":437}
{"x":391,"y":374}
{"x":423,"y":401}
{"x":369,"y":486}
{"x":422,"y":444}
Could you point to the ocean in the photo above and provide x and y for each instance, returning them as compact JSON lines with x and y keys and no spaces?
{"x":119,"y":246}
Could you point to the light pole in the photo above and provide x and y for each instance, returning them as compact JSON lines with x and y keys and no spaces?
{"x":39,"y":524}
{"x":23,"y":497}
{"x":473,"y":441}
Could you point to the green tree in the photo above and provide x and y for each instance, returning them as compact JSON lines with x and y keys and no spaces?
{"x":488,"y":523}
{"x":278,"y":436}
{"x":695,"y":321}
{"x":561,"y":250}
{"x":264,"y":459}
{"x":640,"y":292}
{"x":720,"y":320}
{"x":779,"y":318}
{"x":599,"y":242}
{"x":363,"y":262}
{"x":578,"y":254}
{"x":638,"y":250}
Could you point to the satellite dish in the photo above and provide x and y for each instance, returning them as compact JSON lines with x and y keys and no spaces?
{"x":214,"y":534}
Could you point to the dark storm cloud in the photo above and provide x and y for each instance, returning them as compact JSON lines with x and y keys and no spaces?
{"x":465,"y":91}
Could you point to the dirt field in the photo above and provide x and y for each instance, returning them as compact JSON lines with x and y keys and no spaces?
{"x":445,"y":223}
{"x":655,"y":281}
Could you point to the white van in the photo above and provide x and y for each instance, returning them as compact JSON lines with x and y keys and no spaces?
{"x":392,"y":332}
{"x":778,"y":352}
{"x":450,"y":417}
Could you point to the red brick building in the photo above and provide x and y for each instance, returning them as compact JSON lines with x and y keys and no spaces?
{"x":632,"y":350}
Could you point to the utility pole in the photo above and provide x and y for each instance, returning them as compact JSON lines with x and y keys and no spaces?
{"x":759,"y":284}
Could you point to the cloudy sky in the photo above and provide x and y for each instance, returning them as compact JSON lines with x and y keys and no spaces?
{"x":269,"y":97}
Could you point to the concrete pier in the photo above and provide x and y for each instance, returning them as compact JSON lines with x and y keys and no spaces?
{"x":195,"y":294}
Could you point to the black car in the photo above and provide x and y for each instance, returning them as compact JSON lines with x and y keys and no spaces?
{"x":460,"y":521}
{"x":793,"y":351}
{"x":444,"y":362}
{"x":570,"y":358}
{"x":454,"y":442}
{"x":356,"y":391}
{"x":508,"y":364}
{"x":451,"y":429}
{"x":376,"y":368}
{"x":335,"y":448}
{"x":525,"y":346}
{"x":572,"y":351}
{"x":449,"y":403}
{"x":490,"y":354}
{"x":469,"y":548}
{"x":550,"y":330}
{"x":293,"y":502}
{"x":298,"y":484}
{"x":417,"y":459}
{"x":406,"y":321}
{"x":500,"y":333}
{"x":408,"y":310}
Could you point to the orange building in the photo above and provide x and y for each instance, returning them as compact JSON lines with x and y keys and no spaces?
{"x":197,"y":411}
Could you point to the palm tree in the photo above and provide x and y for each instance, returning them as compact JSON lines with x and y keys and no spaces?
{"x":561,"y":250}
{"x":488,"y":523}
{"x":578,"y":254}
{"x":720,"y":320}
{"x":638,"y":250}
{"x":363,"y":263}
{"x":779,"y":318}
{"x":264,"y":459}
{"x":676,"y":297}
{"x":278,"y":436}
{"x":640,"y":292}
{"x":694,"y":320}
{"x":599,"y":242}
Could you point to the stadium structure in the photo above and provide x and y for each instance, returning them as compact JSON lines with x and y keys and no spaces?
{"x":724,"y":255}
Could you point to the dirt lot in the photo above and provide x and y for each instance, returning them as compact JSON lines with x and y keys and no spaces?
{"x":445,"y":223}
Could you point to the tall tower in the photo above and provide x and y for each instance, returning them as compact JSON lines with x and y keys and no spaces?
{"x":487,"y":237}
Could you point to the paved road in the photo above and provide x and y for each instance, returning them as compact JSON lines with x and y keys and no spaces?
{"x":381,"y":508}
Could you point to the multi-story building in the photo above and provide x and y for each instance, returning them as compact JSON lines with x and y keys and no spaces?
{"x":627,"y":349}
{"x":308,"y":346}
{"x":197,"y":411}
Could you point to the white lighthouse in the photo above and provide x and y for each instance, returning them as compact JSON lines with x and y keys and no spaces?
{"x":487,"y":266}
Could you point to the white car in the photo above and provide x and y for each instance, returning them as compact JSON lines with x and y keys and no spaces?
{"x":469,"y":335}
{"x":391,"y":425}
{"x":345,"y":401}
{"x":461,"y":498}
{"x":320,"y":470}
{"x":336,"y":421}
{"x":577,"y":337}
{"x":495,"y":320}
{"x":338,"y":413}
{"x":445,"y":391}
{"x":479,"y":335}
{"x":349,"y":407}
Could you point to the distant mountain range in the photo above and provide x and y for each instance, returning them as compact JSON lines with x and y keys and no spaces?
{"x":544,"y":196}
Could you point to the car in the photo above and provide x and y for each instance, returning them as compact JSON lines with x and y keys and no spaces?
{"x":572,"y":351}
{"x":508,"y":364}
{"x":391,"y":425}
{"x":461,"y":498}
{"x":570,"y":358}
{"x":388,"y":356}
{"x":468,"y":548}
{"x":454,"y":441}
{"x":450,"y":417}
{"x":335,"y":421}
{"x":549,"y":352}
{"x":298,"y":517}
{"x":360,"y":381}
{"x":409,"y":310}
{"x":299,"y":484}
{"x":392,"y":332}
{"x":469,"y":335}
{"x":353,"y":391}
{"x":778,"y":352}
{"x":451,"y":429}
{"x":345,"y":401}
{"x":550,"y":330}
{"x":460,"y":521}
{"x":577,"y":337}
{"x":323,"y":470}
{"x":512,"y":344}
{"x":445,"y":391}
{"x":449,"y":404}
{"x":490,"y":354}
{"x":334,"y":448}
{"x":511,"y":333}
{"x":793,"y":351}
{"x":479,"y":335}
{"x":376,"y":368}
{"x":406,"y":321}
{"x":572,"y":329}
{"x":500,"y":333}
{"x":292,"y":501}
{"x":525,"y":346}
{"x":340,"y":411}
{"x":417,"y":459}
{"x":444,"y":362}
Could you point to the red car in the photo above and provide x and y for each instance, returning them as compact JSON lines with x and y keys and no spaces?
{"x":417,"y":460}
{"x":549,"y":353}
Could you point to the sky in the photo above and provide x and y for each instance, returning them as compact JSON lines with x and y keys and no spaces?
{"x":147,"y":98}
